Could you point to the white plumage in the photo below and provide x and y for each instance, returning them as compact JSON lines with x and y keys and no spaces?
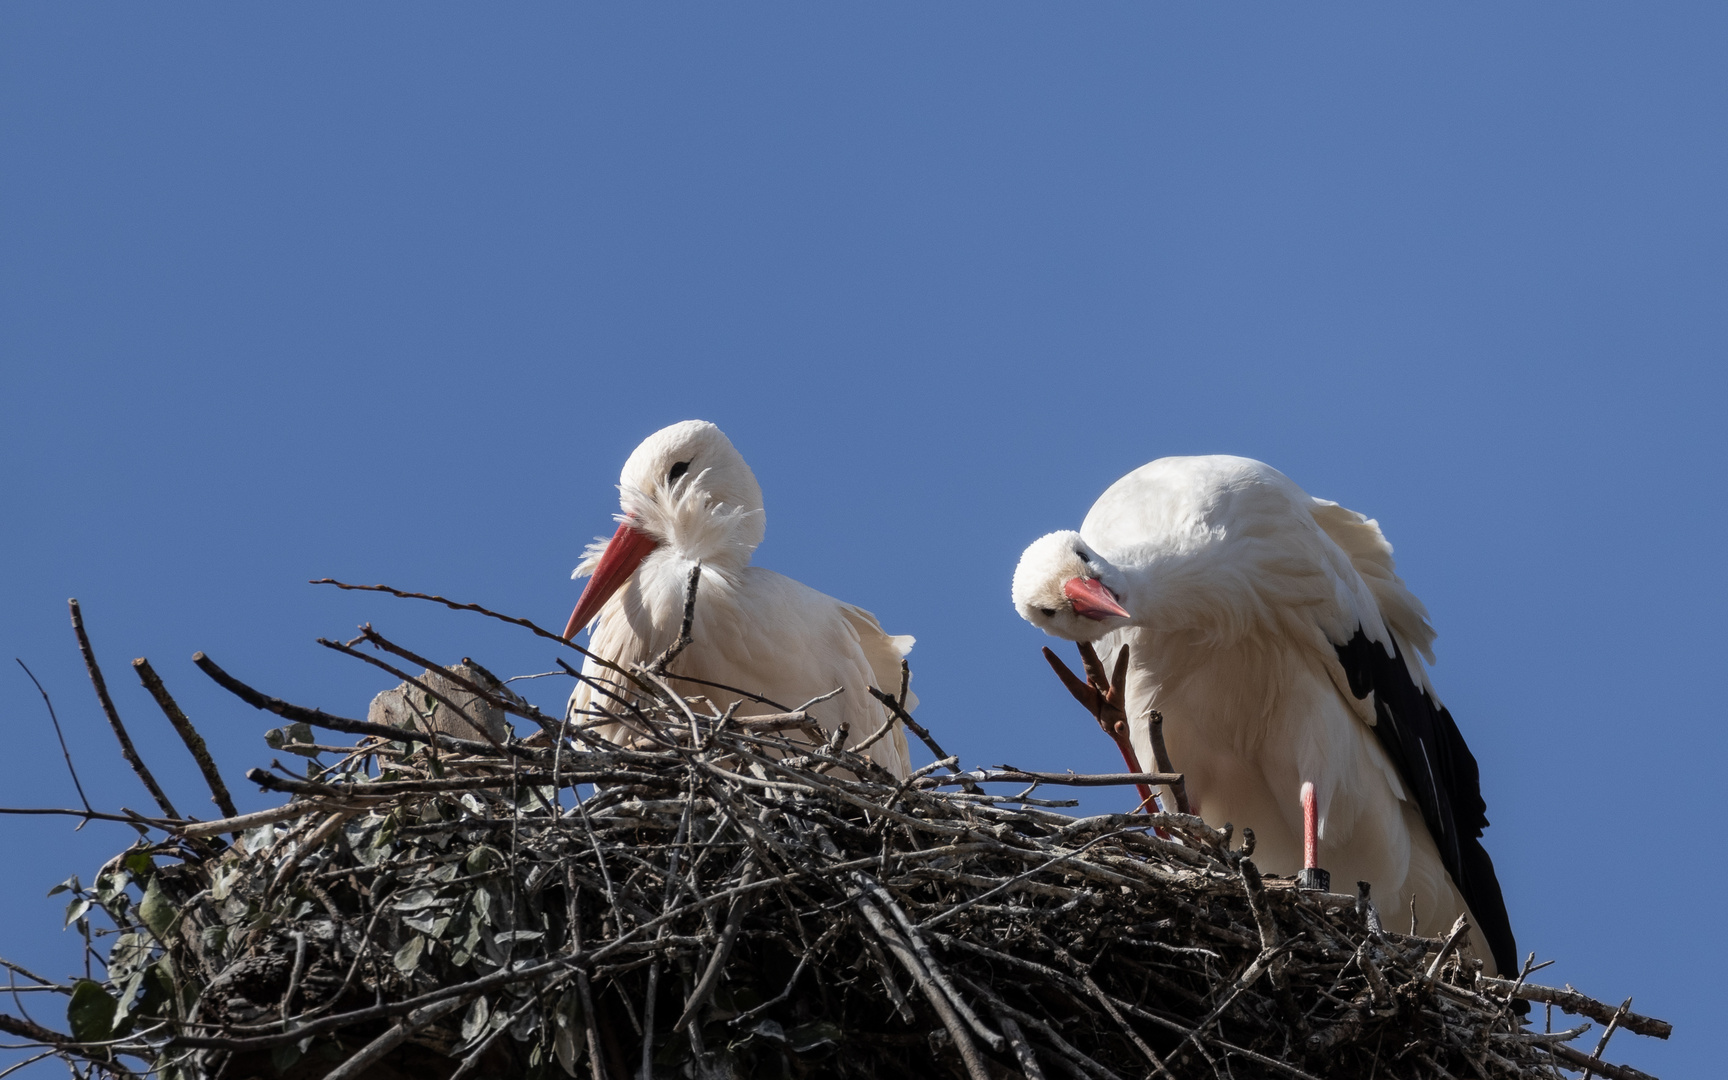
{"x":1273,"y":634}
{"x":687,"y":497}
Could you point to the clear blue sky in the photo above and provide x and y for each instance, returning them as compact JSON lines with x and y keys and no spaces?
{"x":388,"y":293}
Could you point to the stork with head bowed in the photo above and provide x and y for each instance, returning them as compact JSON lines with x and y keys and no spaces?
{"x":688,"y":498}
{"x":1271,"y":631}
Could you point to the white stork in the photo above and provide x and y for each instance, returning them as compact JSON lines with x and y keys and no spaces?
{"x":1271,"y":631}
{"x":688,"y":497}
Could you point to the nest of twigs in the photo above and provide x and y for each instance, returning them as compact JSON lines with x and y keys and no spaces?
{"x":740,"y":897}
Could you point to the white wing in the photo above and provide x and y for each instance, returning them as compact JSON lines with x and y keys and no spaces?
{"x":885,"y":653}
{"x":1370,"y":555}
{"x":761,"y":633}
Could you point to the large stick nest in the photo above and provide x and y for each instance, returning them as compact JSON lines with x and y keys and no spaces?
{"x":740,"y":897}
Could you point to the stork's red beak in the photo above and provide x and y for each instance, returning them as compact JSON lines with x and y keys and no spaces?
{"x":629,"y":546}
{"x":1090,"y":598}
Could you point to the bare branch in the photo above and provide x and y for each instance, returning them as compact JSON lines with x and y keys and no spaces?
{"x":188,"y":735}
{"x":127,"y":750}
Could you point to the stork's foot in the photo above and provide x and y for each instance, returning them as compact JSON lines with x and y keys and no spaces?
{"x":1105,"y":698}
{"x":1101,"y":695}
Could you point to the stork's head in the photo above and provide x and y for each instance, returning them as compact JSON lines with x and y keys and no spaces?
{"x":1059,"y":588}
{"x":687,"y":491}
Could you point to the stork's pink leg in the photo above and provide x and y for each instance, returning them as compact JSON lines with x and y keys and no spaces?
{"x":1310,"y":828}
{"x":1312,"y":877}
{"x":1148,"y":802}
{"x":1147,"y":799}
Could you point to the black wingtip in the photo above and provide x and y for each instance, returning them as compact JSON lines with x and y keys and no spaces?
{"x":1437,"y":766}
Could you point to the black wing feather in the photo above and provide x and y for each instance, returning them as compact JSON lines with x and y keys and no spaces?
{"x":1441,"y":774}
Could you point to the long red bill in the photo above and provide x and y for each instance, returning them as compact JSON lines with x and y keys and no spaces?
{"x":624,"y":554}
{"x":1091,"y":599}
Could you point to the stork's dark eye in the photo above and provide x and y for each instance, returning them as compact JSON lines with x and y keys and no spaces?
{"x":1049,"y":612}
{"x":677,"y":470}
{"x":1085,"y":558}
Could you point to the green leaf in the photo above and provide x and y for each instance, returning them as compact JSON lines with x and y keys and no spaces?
{"x":128,"y":954}
{"x":479,"y":860}
{"x":763,"y":1029}
{"x":295,"y":738}
{"x":417,"y":899}
{"x":70,"y":884}
{"x":408,"y":956}
{"x":570,"y":1009}
{"x":158,"y":989}
{"x":215,"y":938}
{"x":75,"y":910}
{"x":564,"y":1047}
{"x":284,"y":1057}
{"x":675,"y":1050}
{"x":807,"y":1037}
{"x":128,"y":998}
{"x":108,"y":886}
{"x":90,"y":1013}
{"x":139,"y":863}
{"x":475,"y":1019}
{"x":157,"y":910}
{"x":224,"y":880}
{"x":356,"y":828}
